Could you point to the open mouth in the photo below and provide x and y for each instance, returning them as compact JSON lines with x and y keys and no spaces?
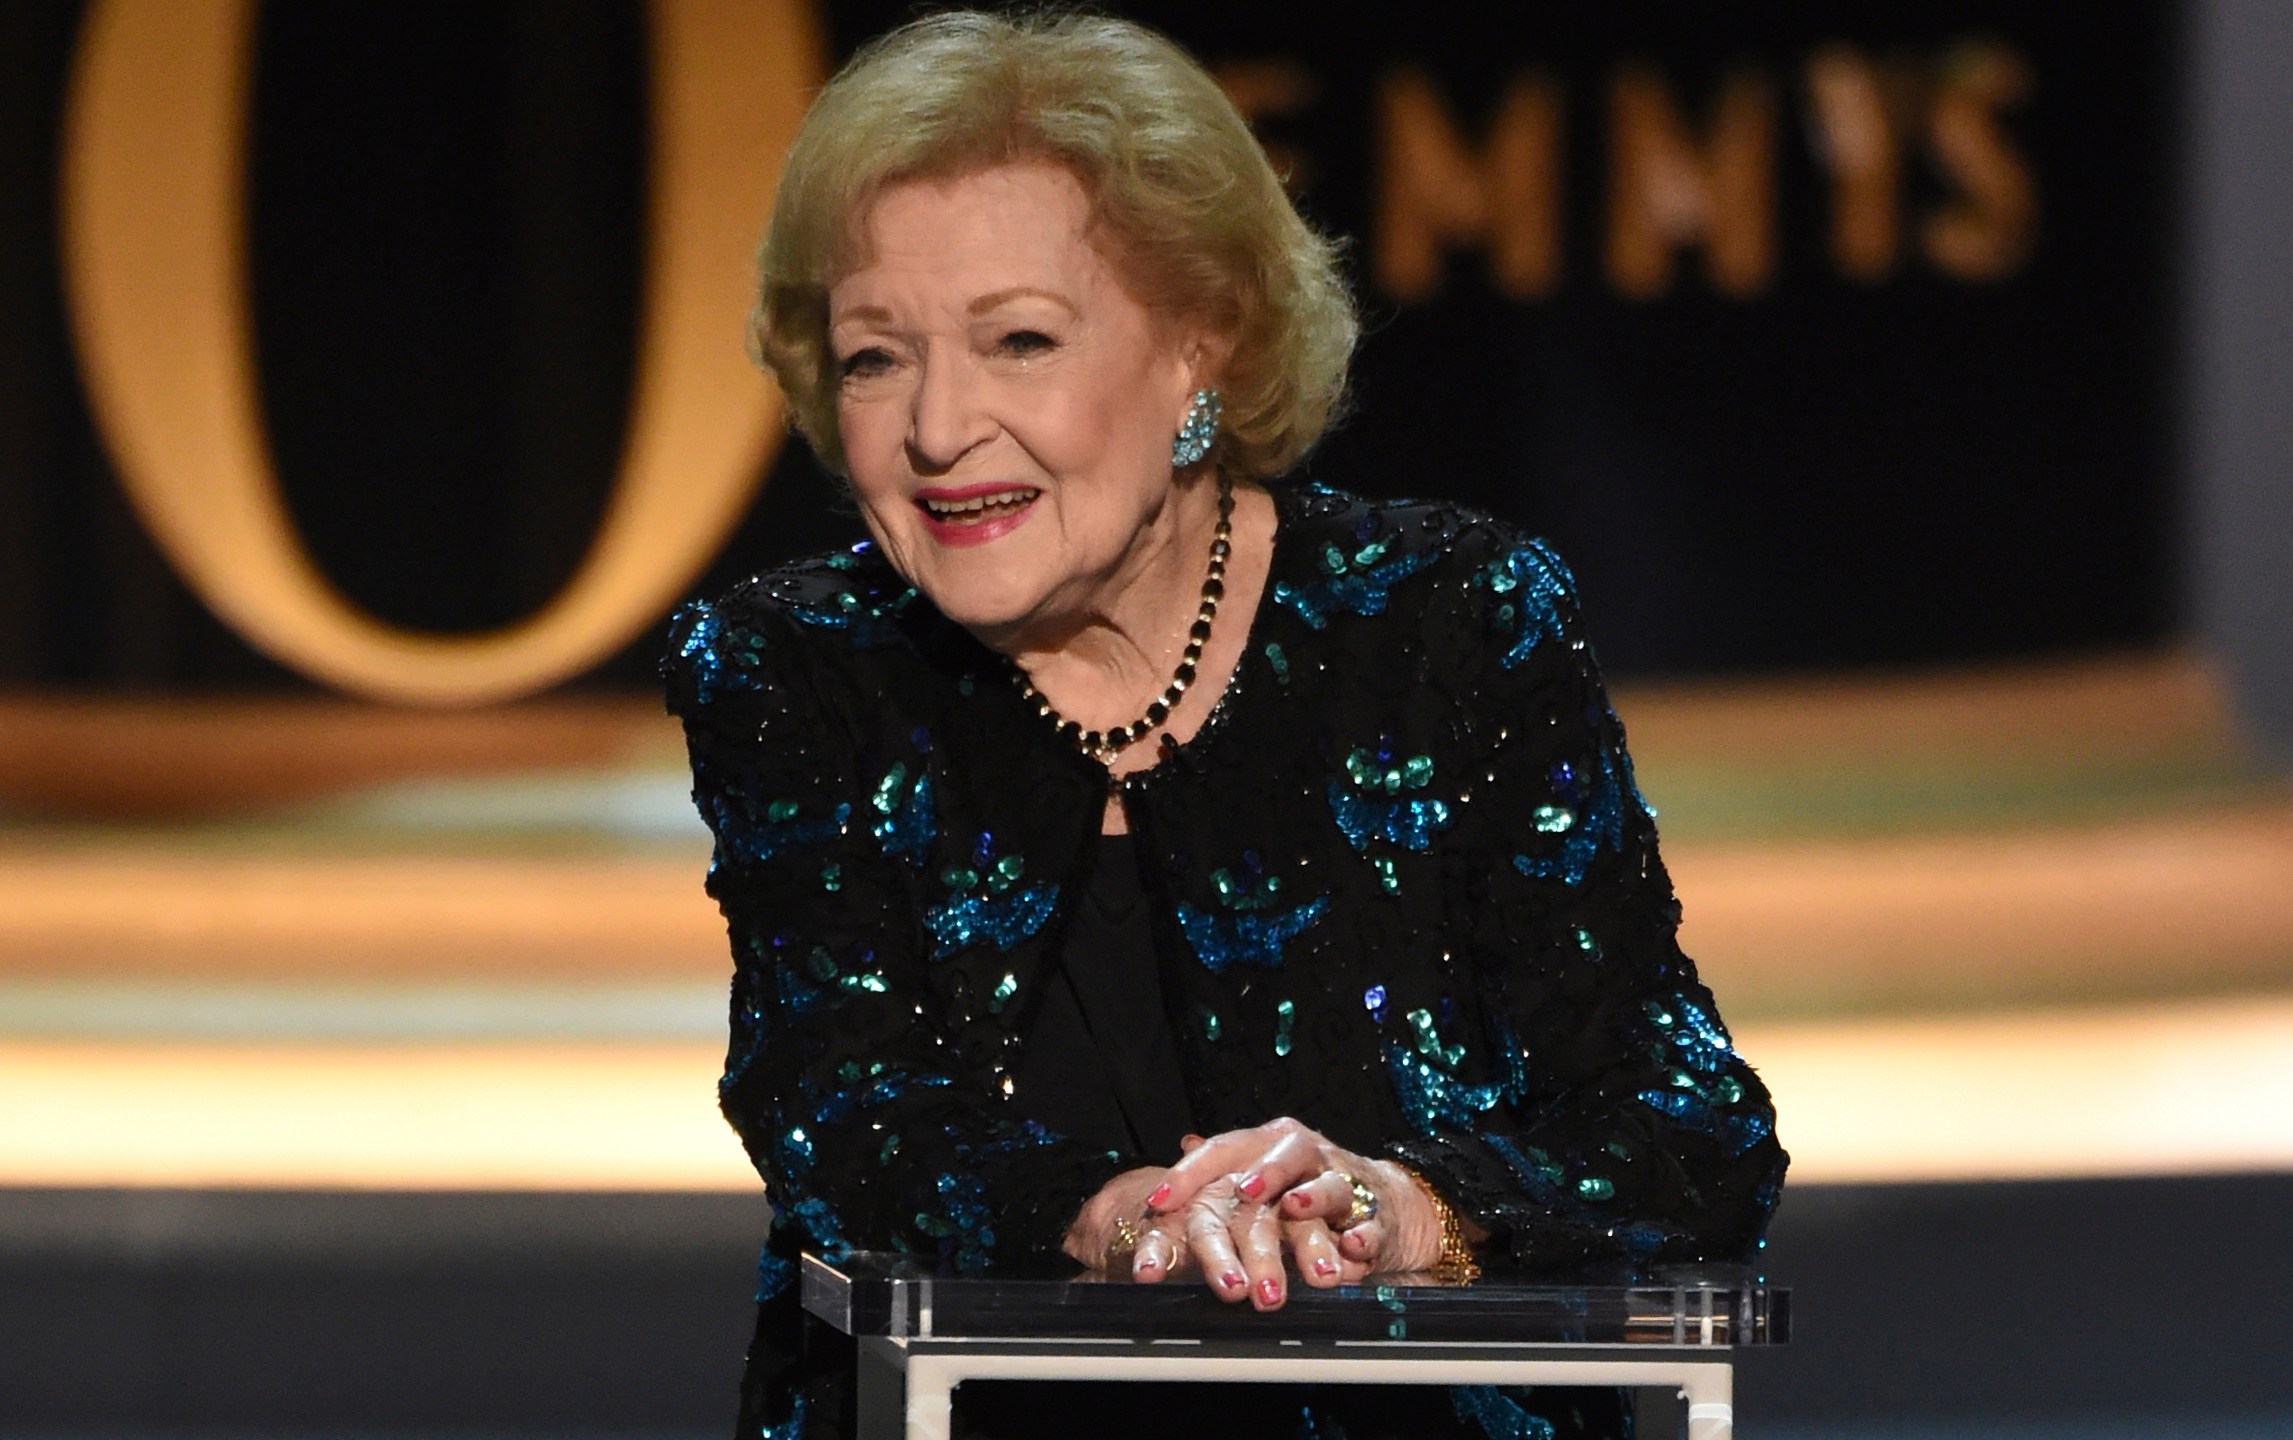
{"x":978,"y":508}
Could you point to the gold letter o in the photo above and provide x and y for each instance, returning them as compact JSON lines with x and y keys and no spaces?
{"x":155,"y":270}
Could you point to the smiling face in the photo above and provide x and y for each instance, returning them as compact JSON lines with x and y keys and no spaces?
{"x":1006,"y":406}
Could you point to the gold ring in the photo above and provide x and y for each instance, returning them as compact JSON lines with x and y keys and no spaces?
{"x":1126,"y":1241}
{"x":1364,"y":1207}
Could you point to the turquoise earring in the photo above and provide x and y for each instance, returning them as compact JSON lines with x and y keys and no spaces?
{"x":1197,"y":430}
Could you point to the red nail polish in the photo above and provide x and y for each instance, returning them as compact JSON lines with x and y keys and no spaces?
{"x":1270,"y":1291}
{"x":1230,"y":1280}
{"x":1161,"y":1194}
{"x":1251,"y":1185}
{"x":1297,"y":1200}
{"x":1325,"y":1266}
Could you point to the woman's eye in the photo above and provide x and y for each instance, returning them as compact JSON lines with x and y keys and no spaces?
{"x":859,"y":363}
{"x":1027,"y":342}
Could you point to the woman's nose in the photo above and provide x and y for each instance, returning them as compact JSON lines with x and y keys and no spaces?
{"x":949,"y":421}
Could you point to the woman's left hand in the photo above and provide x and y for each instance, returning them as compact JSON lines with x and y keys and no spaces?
{"x":1243,"y":1197}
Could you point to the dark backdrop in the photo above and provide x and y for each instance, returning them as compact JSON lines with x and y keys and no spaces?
{"x":1831,"y":472}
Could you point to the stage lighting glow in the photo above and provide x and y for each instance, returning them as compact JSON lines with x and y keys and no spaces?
{"x":2194,"y":1087}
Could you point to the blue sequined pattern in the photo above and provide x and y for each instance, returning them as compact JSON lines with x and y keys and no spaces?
{"x":1402,"y":887}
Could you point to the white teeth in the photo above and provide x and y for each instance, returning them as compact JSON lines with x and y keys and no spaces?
{"x":978,"y":504}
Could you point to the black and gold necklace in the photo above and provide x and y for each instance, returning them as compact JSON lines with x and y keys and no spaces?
{"x":1104,"y":745}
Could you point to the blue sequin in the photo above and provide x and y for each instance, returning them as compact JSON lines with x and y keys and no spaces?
{"x":754,"y":837}
{"x":1431,"y":1097}
{"x":909,"y":823}
{"x":790,"y":1429}
{"x":965,"y":1225}
{"x":1535,"y":583}
{"x":1703,"y":1045}
{"x":1000,"y":920}
{"x":1686,"y":1107}
{"x":1246,"y":937}
{"x":749,"y":1028}
{"x":1411,"y":823}
{"x":693,"y":634}
{"x":1499,"y":1416}
{"x":1744,"y":1131}
{"x":823,"y":1226}
{"x":834,"y":1106}
{"x":866,"y":620}
{"x":1347,"y":589}
{"x":1373,"y":1000}
{"x":1318,"y":1427}
{"x":774,"y":1274}
{"x":1601,"y":824}
{"x":795,"y":1155}
{"x":1540,"y":1178}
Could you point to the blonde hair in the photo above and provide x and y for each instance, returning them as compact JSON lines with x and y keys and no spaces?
{"x":1194,"y":217}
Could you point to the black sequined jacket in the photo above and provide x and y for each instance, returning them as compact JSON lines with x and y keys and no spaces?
{"x":1404,"y":889}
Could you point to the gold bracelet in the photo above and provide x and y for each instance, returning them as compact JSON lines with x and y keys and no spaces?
{"x":1455,"y":1265}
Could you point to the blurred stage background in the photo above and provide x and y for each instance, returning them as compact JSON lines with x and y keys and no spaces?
{"x":1908,"y":387}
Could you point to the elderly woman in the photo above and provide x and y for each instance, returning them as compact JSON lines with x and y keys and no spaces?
{"x":1132,"y":855}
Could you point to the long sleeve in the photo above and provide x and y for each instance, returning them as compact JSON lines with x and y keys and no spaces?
{"x":1606,"y":1118}
{"x":855,"y":1098}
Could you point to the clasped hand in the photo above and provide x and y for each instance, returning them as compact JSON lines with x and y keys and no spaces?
{"x":1236,"y":1206}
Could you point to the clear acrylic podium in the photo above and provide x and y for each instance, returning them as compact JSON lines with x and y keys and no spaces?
{"x":920,"y":1335}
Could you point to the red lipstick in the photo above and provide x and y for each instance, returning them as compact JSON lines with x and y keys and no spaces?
{"x":975,"y":514}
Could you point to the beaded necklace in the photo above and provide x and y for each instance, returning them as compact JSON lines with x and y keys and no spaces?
{"x":1104,"y":746}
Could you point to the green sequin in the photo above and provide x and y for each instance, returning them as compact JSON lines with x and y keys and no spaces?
{"x":1005,"y":988}
{"x":1237,"y":894}
{"x":1386,"y":875}
{"x":780,"y":812}
{"x":887,"y":797}
{"x":1585,"y":942}
{"x":831,"y":877}
{"x":1369,"y":773}
{"x":1593,"y":1187}
{"x":956,"y":877}
{"x":1285,"y":1014}
{"x":821,"y":963}
{"x":1728,"y":1089}
{"x":1210,"y":1024}
{"x":891,"y":1148}
{"x":1279,"y":661}
{"x":1429,"y":1039}
{"x":871,"y":982}
{"x":1554,"y":819}
{"x":1011,"y":867}
{"x":1371,"y":553}
{"x":1333,"y":560}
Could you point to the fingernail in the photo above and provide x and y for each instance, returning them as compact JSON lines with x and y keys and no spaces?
{"x":1161,"y":1194}
{"x":1147,"y":1267}
{"x":1324,"y":1265}
{"x":1270,"y":1291}
{"x":1251,"y":1185}
{"x":1297,"y":1200}
{"x":1232,"y":1279}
